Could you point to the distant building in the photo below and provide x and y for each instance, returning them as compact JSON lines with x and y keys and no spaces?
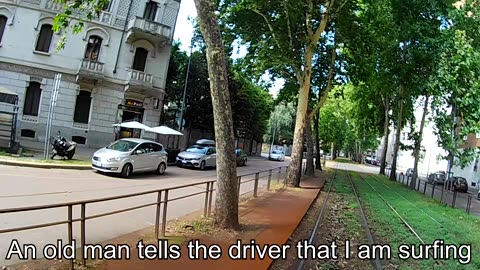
{"x":433,"y":158}
{"x":114,"y":71}
{"x":430,"y":160}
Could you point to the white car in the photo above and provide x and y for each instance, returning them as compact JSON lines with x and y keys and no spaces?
{"x":277,"y":155}
{"x":128,"y":156}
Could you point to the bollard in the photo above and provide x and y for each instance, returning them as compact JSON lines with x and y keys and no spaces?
{"x":279,"y":174}
{"x":418,"y":184}
{"x":433,"y":189}
{"x":425,"y":187}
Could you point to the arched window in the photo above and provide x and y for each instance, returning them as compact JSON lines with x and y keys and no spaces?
{"x":44,"y":38}
{"x":32,"y":99}
{"x":3,"y":23}
{"x":140,"y":59}
{"x":150,"y":11}
{"x":82,"y":107}
{"x":93,"y":48}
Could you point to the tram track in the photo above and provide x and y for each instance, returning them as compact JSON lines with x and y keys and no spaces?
{"x":376,"y":263}
{"x":402,"y":218}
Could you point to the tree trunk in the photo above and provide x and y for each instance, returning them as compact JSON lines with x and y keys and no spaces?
{"x":293,"y":175}
{"x":396,"y":147}
{"x":310,"y":169}
{"x":386,"y":133}
{"x":334,"y":151}
{"x":318,"y":162}
{"x":226,"y":204}
{"x":418,"y":144}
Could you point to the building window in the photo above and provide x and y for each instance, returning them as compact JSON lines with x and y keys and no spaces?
{"x":79,"y":139}
{"x":27,"y":133}
{"x":82,"y":107}
{"x":44,"y":38}
{"x":3,"y":23}
{"x":140,"y":59}
{"x":150,"y":11}
{"x":32,"y":99}
{"x":93,"y":48}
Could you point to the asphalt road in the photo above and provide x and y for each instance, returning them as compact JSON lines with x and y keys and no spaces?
{"x":21,"y":186}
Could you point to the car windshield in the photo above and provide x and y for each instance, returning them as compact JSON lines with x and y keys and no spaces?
{"x":276,"y":152}
{"x":122,"y":145}
{"x":197,"y":149}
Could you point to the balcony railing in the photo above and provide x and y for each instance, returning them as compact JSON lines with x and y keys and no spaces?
{"x":140,"y":77}
{"x":104,"y":17}
{"x":154,"y":28}
{"x":53,"y":6}
{"x":91,"y":66}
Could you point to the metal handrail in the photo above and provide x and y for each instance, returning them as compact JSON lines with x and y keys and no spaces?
{"x":159,"y":211}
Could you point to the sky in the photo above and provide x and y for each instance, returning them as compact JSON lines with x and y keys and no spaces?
{"x":184,"y":33}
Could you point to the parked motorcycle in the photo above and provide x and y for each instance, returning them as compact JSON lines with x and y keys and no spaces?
{"x":62,"y":148}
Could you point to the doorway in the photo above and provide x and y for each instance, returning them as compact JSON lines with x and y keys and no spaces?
{"x":131,"y":114}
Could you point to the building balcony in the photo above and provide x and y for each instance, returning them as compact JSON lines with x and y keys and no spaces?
{"x":53,"y":6}
{"x":139,"y":28}
{"x":139,"y":80}
{"x":90,"y":71}
{"x":103,"y":17}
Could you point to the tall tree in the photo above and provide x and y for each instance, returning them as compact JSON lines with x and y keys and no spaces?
{"x":226,"y":205}
{"x":285,"y":35}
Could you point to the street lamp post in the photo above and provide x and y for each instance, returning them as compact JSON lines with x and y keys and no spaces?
{"x":273,"y":138}
{"x":180,"y":123}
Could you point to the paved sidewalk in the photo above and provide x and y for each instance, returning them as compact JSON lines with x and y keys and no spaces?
{"x":277,"y":214}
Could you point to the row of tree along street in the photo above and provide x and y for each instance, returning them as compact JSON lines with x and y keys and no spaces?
{"x":372,"y":60}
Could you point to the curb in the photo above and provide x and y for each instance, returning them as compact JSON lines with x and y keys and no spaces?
{"x":44,"y":166}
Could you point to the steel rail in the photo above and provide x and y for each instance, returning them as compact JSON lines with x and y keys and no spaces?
{"x":313,"y":235}
{"x":376,"y":263}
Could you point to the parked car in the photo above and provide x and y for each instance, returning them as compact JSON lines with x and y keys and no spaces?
{"x":368,"y":159}
{"x":128,"y":156}
{"x":277,"y":155}
{"x":409,"y":172}
{"x":436,"y":178}
{"x":241,"y":157}
{"x":375,"y":161}
{"x":198,"y":156}
{"x":459,"y":184}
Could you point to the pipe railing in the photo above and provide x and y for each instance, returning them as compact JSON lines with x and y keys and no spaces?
{"x":161,"y":204}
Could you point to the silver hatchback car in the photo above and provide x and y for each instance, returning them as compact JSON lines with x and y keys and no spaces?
{"x":127,"y":156}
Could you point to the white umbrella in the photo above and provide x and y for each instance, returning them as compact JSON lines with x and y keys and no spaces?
{"x":164,"y":130}
{"x":132,"y":124}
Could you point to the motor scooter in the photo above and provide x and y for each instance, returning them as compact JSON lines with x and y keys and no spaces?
{"x":62,"y":148}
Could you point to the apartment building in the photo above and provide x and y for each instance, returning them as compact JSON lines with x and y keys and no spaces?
{"x":433,"y":158}
{"x":113,"y":71}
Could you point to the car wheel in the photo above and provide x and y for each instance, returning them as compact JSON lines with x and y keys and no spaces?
{"x":202,"y":165}
{"x":161,"y":168}
{"x":244,"y":162}
{"x":127,"y":170}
